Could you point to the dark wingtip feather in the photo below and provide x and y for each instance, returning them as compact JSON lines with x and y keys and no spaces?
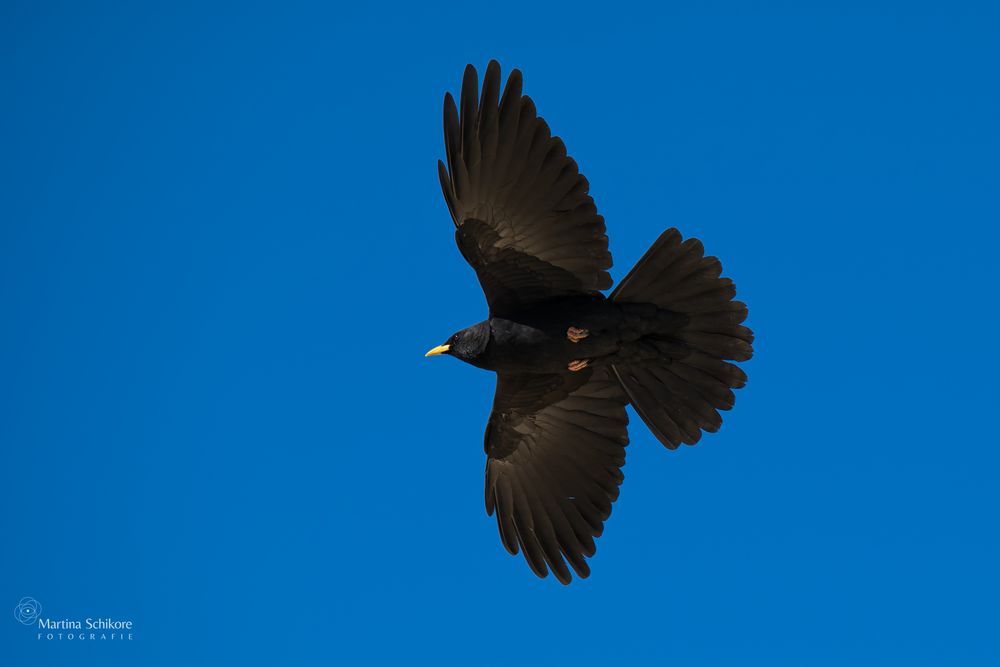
{"x":511,"y":94}
{"x":470,"y":77}
{"x":446,"y":190}
{"x":452,"y":132}
{"x":491,"y":88}
{"x":562,"y":575}
{"x":469,"y":111}
{"x":492,"y":72}
{"x":491,"y":496}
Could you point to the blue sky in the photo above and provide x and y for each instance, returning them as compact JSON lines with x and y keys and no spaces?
{"x":223,"y":252}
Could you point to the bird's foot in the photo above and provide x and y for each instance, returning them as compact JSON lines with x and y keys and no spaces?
{"x":578,"y":365}
{"x":576,"y":335}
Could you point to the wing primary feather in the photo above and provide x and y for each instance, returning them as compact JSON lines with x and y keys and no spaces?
{"x":526,"y":531}
{"x":505,"y":513}
{"x":452,"y":133}
{"x":554,"y":532}
{"x":469,"y":117}
{"x":449,"y":196}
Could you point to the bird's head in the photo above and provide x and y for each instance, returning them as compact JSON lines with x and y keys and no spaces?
{"x":468,"y":344}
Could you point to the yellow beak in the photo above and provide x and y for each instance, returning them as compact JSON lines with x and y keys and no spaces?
{"x":440,"y":349}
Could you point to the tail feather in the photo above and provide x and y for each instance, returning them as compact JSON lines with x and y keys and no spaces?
{"x":678,"y":395}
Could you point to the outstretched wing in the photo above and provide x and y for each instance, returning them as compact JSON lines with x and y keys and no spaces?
{"x":556,"y":444}
{"x":524,"y":218}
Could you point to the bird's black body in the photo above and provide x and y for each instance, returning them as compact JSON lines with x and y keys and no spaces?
{"x":568,"y":358}
{"x":534,"y":339}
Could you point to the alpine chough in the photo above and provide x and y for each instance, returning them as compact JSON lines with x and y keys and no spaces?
{"x":568,"y":358}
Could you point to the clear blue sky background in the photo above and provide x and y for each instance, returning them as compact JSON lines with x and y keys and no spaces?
{"x":223,"y":252}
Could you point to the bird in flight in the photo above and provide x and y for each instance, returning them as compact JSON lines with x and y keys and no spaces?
{"x":567,"y":357}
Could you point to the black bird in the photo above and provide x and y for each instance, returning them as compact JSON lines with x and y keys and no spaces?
{"x":568,"y":358}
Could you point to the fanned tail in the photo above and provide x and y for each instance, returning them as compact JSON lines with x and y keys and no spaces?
{"x":680,"y":393}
